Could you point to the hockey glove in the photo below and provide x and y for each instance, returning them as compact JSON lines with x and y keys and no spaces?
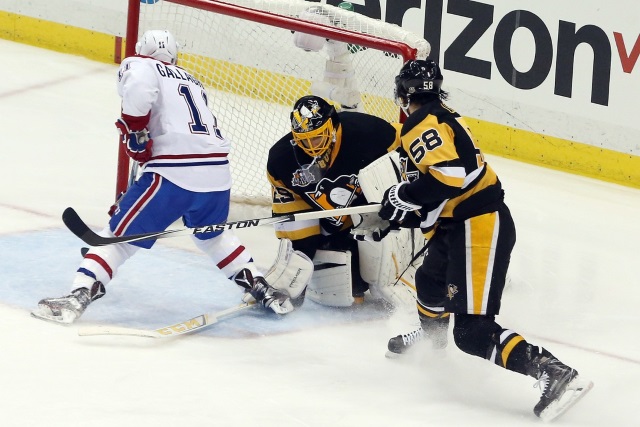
{"x":396,"y":204}
{"x":138,"y":143}
{"x":371,"y":228}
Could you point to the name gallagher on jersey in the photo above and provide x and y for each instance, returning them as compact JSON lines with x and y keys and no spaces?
{"x":176,"y":73}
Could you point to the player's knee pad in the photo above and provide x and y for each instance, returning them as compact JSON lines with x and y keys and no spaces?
{"x":331,"y":283}
{"x":472,"y":333}
{"x":292,"y":270}
{"x":226,"y":251}
{"x":101,"y":263}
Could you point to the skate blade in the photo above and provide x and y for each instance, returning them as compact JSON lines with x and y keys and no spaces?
{"x":59,"y":320}
{"x":392,"y":355}
{"x":575,"y":391}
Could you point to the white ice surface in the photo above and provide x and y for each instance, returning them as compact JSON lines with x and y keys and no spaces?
{"x":573,"y":288}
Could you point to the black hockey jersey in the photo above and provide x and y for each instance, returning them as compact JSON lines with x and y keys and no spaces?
{"x":300,"y":184}
{"x":448,"y":174}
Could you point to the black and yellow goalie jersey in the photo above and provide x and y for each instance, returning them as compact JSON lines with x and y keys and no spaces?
{"x":298,"y":183}
{"x":448,"y":174}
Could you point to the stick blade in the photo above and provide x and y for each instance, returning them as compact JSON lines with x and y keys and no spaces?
{"x":186,"y":327}
{"x":74,"y":223}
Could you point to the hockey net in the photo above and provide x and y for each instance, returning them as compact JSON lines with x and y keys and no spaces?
{"x":245,"y":54}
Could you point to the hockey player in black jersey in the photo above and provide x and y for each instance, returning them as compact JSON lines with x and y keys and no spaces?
{"x":315,"y":167}
{"x":458,"y":201}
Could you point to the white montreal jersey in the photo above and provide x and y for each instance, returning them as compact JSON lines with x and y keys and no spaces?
{"x":188,"y":148}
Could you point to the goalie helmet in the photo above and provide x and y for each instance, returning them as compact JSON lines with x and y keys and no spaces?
{"x":417,"y":76}
{"x":158,"y":44}
{"x":314,"y":124}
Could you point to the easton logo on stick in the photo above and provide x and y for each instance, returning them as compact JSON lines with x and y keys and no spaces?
{"x":227,"y":226}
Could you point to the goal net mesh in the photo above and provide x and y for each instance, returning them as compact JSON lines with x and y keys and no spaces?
{"x":254,"y":68}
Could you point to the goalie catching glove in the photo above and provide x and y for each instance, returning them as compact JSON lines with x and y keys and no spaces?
{"x":138,"y":142}
{"x":396,"y":204}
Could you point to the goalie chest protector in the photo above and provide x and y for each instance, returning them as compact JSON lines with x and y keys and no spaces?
{"x":362,"y":138}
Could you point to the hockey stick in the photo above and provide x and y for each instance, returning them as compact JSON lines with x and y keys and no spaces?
{"x":188,"y":326}
{"x":133,"y":174}
{"x":77,"y":226}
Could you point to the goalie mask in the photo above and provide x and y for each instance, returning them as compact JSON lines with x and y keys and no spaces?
{"x":314,"y":124}
{"x":417,"y":77}
{"x":158,"y":44}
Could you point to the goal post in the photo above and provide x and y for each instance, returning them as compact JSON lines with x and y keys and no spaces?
{"x":257,"y":57}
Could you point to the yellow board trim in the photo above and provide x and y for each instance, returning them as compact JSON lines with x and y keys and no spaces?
{"x":556,"y":153}
{"x":525,"y":146}
{"x":59,"y":37}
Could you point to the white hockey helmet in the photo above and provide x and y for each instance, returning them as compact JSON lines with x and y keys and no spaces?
{"x":158,"y":44}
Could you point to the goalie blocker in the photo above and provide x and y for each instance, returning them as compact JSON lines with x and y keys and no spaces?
{"x":385,"y":264}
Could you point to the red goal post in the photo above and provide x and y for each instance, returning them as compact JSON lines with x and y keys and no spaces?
{"x":246,"y":53}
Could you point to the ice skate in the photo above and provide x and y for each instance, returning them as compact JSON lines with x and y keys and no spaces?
{"x":433,"y":330}
{"x":561,"y":386}
{"x":67,"y":309}
{"x":400,"y":344}
{"x":257,"y":288}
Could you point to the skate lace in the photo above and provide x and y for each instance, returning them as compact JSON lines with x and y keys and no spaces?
{"x":542,"y":383}
{"x":411,"y":337}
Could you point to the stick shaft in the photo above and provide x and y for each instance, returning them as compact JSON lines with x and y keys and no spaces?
{"x":78,"y":227}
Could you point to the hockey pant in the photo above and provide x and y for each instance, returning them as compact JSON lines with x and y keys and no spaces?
{"x":153,"y":203}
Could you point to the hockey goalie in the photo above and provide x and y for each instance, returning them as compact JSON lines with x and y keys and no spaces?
{"x":322,"y":164}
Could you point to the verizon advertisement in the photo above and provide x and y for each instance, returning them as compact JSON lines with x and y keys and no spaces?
{"x":563,"y":68}
{"x":532,"y":62}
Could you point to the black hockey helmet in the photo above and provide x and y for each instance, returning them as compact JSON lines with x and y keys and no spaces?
{"x":417,"y":76}
{"x":314,"y":123}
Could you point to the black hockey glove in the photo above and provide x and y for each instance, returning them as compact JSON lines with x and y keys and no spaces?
{"x":396,"y":204}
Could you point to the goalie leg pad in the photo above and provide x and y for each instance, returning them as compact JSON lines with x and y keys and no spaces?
{"x":292,"y":270}
{"x":331,"y":283}
{"x":382,"y":264}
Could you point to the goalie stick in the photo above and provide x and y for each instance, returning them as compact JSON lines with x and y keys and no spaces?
{"x":188,"y":326}
{"x":78,"y":227}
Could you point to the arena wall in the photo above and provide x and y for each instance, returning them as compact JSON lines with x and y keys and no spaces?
{"x":546,"y":82}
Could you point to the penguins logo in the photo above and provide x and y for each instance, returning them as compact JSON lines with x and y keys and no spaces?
{"x":404,"y":166}
{"x":302,"y":117}
{"x":452,"y":290}
{"x":336,"y":194}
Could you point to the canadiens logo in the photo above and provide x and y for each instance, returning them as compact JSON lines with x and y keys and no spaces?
{"x":452,"y":290}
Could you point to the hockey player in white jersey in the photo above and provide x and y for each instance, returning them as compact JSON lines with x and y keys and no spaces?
{"x":168,"y":128}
